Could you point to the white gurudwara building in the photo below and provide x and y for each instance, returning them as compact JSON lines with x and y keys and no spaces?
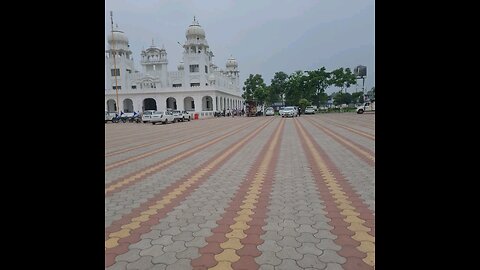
{"x":197,"y":85}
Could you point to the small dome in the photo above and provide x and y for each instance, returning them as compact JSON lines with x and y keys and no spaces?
{"x":195,"y":30}
{"x":231,"y":62}
{"x":118,"y":36}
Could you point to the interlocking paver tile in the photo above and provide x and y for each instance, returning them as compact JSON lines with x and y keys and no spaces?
{"x":331,"y":256}
{"x":269,"y":245}
{"x":311,"y":261}
{"x":131,"y":256}
{"x":268,"y":257}
{"x":154,"y":251}
{"x":182,"y":264}
{"x":309,"y":248}
{"x":176,"y":246}
{"x":166,"y":258}
{"x":293,"y":225}
{"x":288,"y":265}
{"x":307,"y":238}
{"x":142,"y":244}
{"x":164,"y":240}
{"x":328,"y":244}
{"x":288,"y":253}
{"x":143,"y":263}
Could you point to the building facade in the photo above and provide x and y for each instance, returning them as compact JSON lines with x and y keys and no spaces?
{"x":197,"y":85}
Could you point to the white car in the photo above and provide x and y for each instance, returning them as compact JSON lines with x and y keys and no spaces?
{"x":109,"y":117}
{"x":269,"y":111}
{"x":164,"y":117}
{"x":181,"y":116}
{"x":289,"y":112}
{"x":147,"y":115}
{"x":309,"y":110}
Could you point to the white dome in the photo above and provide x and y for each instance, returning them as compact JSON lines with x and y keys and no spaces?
{"x":195,"y":30}
{"x":118,"y":36}
{"x":231,"y":62}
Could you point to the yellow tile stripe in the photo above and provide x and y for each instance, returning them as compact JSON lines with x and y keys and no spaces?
{"x":355,"y":131}
{"x":232,"y":244}
{"x":367,"y":155}
{"x":367,"y":242}
{"x":166,"y":163}
{"x":113,"y":238}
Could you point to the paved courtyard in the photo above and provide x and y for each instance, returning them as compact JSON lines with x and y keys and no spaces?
{"x":241,"y":193}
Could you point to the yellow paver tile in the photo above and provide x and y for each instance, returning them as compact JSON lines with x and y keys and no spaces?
{"x":366,"y":246}
{"x":233,"y":243}
{"x":236,"y":234}
{"x":222,"y":266}
{"x":121,"y":234}
{"x":228,"y":255}
{"x":141,"y":218}
{"x":131,"y":226}
{"x":111,"y":242}
{"x":356,"y":227}
{"x":240,"y":225}
{"x":354,"y":219}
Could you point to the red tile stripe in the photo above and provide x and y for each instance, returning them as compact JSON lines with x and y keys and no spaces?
{"x":249,"y":250}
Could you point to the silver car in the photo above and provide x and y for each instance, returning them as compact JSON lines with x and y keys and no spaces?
{"x":289,"y":112}
{"x":270,"y":111}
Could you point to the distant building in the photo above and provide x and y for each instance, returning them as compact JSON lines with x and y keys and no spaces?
{"x":197,"y":84}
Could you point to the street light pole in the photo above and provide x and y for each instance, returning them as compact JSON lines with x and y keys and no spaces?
{"x":114,"y":62}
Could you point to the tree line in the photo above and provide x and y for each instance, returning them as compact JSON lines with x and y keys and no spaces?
{"x":302,"y":88}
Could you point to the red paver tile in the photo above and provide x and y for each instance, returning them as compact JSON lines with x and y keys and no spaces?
{"x":245,"y":263}
{"x":354,"y":263}
{"x":211,"y":248}
{"x":216,"y":238}
{"x":254,"y":229}
{"x":249,"y":250}
{"x":351,"y":251}
{"x":252,"y":239}
{"x":345,"y":240}
{"x":203,"y":262}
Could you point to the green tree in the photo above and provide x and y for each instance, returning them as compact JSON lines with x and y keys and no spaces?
{"x":295,"y":86}
{"x":303,"y":103}
{"x":342,"y":98}
{"x":317,"y":82}
{"x":254,"y":83}
{"x":278,"y":86}
{"x":357,"y":97}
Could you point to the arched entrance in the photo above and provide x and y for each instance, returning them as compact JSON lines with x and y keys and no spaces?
{"x":127,"y":105}
{"x":111,"y":105}
{"x":149,"y":104}
{"x":189,"y":104}
{"x":207,"y":103}
{"x":171,"y":103}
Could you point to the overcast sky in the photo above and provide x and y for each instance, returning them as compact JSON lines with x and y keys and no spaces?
{"x":265,"y":36}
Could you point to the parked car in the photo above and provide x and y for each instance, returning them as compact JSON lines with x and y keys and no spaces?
{"x":366,"y":107}
{"x":309,"y":110}
{"x":181,"y":116}
{"x":164,"y":117}
{"x":109,"y":117}
{"x":147,"y":115}
{"x":289,"y":112}
{"x":270,"y":111}
{"x":280,"y":111}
